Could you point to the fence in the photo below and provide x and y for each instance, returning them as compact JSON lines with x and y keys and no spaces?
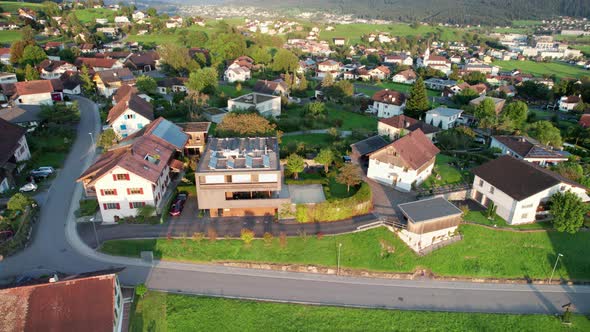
{"x":427,"y":250}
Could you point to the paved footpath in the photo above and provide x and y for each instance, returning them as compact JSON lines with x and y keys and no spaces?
{"x":57,"y":246}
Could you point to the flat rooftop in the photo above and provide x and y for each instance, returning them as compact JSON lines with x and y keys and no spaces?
{"x":429,"y":209}
{"x":240,"y":154}
{"x":254,"y":98}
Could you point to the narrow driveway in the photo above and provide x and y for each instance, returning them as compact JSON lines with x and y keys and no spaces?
{"x":57,"y":246}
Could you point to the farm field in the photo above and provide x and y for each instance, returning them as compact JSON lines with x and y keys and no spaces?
{"x":560,"y":70}
{"x":9,"y":36}
{"x":158,"y":311}
{"x":13,"y":6}
{"x":353,"y":32}
{"x":89,"y":15}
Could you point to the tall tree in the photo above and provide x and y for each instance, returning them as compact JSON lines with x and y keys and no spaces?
{"x":245,"y":125}
{"x":350,"y":175}
{"x":328,"y":80}
{"x":326,"y":158}
{"x":514,"y":115}
{"x":285,"y":61}
{"x":203,"y":80}
{"x":568,"y":211}
{"x":485,"y":113}
{"x":295,"y":164}
{"x":87,"y":83}
{"x":33,"y":55}
{"x":31,"y":74}
{"x":546,"y":133}
{"x":146,"y":84}
{"x":417,"y":102}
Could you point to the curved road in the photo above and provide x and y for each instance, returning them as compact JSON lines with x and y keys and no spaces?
{"x":57,"y":246}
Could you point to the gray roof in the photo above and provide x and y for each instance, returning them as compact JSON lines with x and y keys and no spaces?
{"x":171,"y":133}
{"x":369,"y":145}
{"x":448,"y":112}
{"x":21,"y":113}
{"x":429,"y":209}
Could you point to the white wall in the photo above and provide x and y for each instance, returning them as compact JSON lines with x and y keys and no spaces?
{"x":417,"y":242}
{"x":269,"y":107}
{"x":436,"y":119}
{"x":35,"y":99}
{"x":387,"y":110}
{"x":386,"y":173}
{"x":132,"y":125}
{"x":22,"y":152}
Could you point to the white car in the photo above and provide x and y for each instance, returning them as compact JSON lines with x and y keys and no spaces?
{"x":28,"y":187}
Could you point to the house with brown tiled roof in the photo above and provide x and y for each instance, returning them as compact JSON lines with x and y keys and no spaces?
{"x":568,"y":103}
{"x":380,"y":73}
{"x":39,"y":92}
{"x":84,"y":302}
{"x":276,"y":87}
{"x":498,"y":102}
{"x":143,"y":62}
{"x":52,"y":69}
{"x":14,"y":150}
{"x":130,"y":115}
{"x":405,"y":163}
{"x":98,"y":64}
{"x":137,"y":172}
{"x":522,"y":147}
{"x":108,"y":81}
{"x":387,"y":103}
{"x":399,"y":125}
{"x":584,"y":121}
{"x":407,"y":76}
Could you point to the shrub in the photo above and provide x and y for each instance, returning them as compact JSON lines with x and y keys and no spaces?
{"x":18,"y":202}
{"x":198,"y":236}
{"x":141,"y":290}
{"x":212,"y":234}
{"x":268,"y":239}
{"x":247,"y":236}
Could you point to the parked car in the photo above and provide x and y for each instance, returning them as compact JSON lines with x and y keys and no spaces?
{"x":42,"y":172}
{"x":28,"y":187}
{"x":178,"y":205}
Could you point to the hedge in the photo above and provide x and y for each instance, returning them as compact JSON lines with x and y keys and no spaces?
{"x":333,"y":210}
{"x":322,"y":181}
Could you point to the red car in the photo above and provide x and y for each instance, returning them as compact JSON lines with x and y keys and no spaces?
{"x":178,"y":205}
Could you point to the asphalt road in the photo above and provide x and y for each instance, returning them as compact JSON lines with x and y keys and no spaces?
{"x":56,"y":246}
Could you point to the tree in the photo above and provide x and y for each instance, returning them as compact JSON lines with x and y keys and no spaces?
{"x":546,"y":133}
{"x":485,"y":113}
{"x":316,"y":110}
{"x":569,"y":169}
{"x":141,"y":290}
{"x":295,"y":164}
{"x":16,"y":50}
{"x":18,"y":202}
{"x":152,"y":12}
{"x":237,"y":124}
{"x":203,"y":80}
{"x":30,"y":73}
{"x":33,"y":55}
{"x":285,"y":61}
{"x":87,"y":83}
{"x":226,"y":45}
{"x":176,"y":57}
{"x":568,"y":211}
{"x":146,"y":84}
{"x":341,"y":89}
{"x":328,"y":80}
{"x":106,"y":139}
{"x":514,"y":115}
{"x":302,"y":83}
{"x":259,"y":55}
{"x":326,"y":158}
{"x":417,"y":102}
{"x":350,"y":175}
{"x":474,"y":77}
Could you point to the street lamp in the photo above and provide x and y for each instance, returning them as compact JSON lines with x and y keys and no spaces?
{"x":95,"y":233}
{"x":555,"y":266}
{"x":338,"y":270}
{"x":91,"y":138}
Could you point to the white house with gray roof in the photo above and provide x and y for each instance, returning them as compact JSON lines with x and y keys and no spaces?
{"x":442,"y":117}
{"x":266,"y":105}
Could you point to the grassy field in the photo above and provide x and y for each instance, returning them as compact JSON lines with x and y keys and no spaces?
{"x":350,"y":120}
{"x":232,"y":92}
{"x":353,"y":32}
{"x":13,"y":6}
{"x":89,"y":15}
{"x":448,"y":174}
{"x":561,"y":70}
{"x":480,"y":218}
{"x":310,"y":140}
{"x":482,"y":253}
{"x":370,"y":90}
{"x":8,"y":36}
{"x":170,"y":312}
{"x":171,"y":36}
{"x":584,"y":48}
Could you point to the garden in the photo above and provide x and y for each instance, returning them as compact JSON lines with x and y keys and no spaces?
{"x":16,"y":223}
{"x":448,"y":171}
{"x":157,"y":311}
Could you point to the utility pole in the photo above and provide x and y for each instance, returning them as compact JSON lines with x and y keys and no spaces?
{"x":554,"y":267}
{"x":338,"y":270}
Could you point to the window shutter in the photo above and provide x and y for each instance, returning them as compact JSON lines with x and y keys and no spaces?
{"x":104,"y":206}
{"x":101,"y":192}
{"x":118,"y":206}
{"x":114,"y":191}
{"x":128,"y":191}
{"x":130,"y":205}
{"x":127,"y":177}
{"x":142,"y":203}
{"x":114,"y":177}
{"x":141,"y":191}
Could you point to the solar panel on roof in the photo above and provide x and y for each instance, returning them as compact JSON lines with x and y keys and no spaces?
{"x":249,"y":161}
{"x":213,"y":162}
{"x":171,"y":133}
{"x":266,"y":161}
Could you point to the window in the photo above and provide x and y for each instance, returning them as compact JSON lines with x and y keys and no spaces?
{"x":139,"y":126}
{"x":129,"y":116}
{"x":135,"y":191}
{"x":124,"y":135}
{"x":492,"y":190}
{"x":123,"y":127}
{"x":120,"y":177}
{"x":481,"y":183}
{"x":108,"y":192}
{"x":111,"y":206}
{"x":562,"y":188}
{"x":136,"y":205}
{"x":527,"y":206}
{"x":524,"y":215}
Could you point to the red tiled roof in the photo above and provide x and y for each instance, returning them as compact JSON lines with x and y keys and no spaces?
{"x":389,"y":97}
{"x":4,"y":50}
{"x":585,"y":120}
{"x":408,"y":74}
{"x":123,"y":91}
{"x":134,"y":103}
{"x":95,"y":62}
{"x":33,"y":87}
{"x":413,"y":150}
{"x":399,"y":121}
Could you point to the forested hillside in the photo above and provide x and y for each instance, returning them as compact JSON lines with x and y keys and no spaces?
{"x":489,"y":12}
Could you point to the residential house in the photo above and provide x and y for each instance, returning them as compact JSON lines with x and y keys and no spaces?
{"x":584,"y":121}
{"x":72,"y":83}
{"x":62,"y":304}
{"x":98,"y":64}
{"x":568,"y":103}
{"x":328,"y":66}
{"x":387,"y":103}
{"x":39,"y":92}
{"x":197,"y":136}
{"x":52,"y":69}
{"x":138,"y":15}
{"x":237,"y":73}
{"x":407,"y":76}
{"x":498,"y":102}
{"x":241,"y":177}
{"x":110,"y":32}
{"x":108,"y":81}
{"x":276,"y":87}
{"x":339,"y":41}
{"x":380,"y":73}
{"x":442,"y":117}
{"x":5,"y":55}
{"x":405,"y":163}
{"x":266,"y":105}
{"x":361,"y":150}
{"x":450,"y":91}
{"x":87,"y":47}
{"x":136,"y":172}
{"x":438,"y":83}
{"x":509,"y":90}
{"x":140,"y":63}
{"x":8,"y":78}
{"x":14,"y":151}
{"x":130,"y":115}
{"x":398,"y":59}
{"x":428,"y":222}
{"x":435,"y":62}
{"x":26,"y":116}
{"x":121,"y":20}
{"x":520,"y":190}
{"x":54,"y":45}
{"x":526,"y":148}
{"x":399,"y":125}
{"x":102,"y":21}
{"x":172,"y":85}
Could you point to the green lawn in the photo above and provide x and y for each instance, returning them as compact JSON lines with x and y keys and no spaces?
{"x":448,"y":174}
{"x":350,"y":120}
{"x":339,"y":190}
{"x":310,"y":140}
{"x":171,"y":312}
{"x":541,"y":114}
{"x":353,"y":32}
{"x":232,"y":92}
{"x":584,"y":48}
{"x":9,"y":36}
{"x":13,"y":6}
{"x":482,"y":253}
{"x":89,"y":15}
{"x":480,"y":218}
{"x":560,"y":70}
